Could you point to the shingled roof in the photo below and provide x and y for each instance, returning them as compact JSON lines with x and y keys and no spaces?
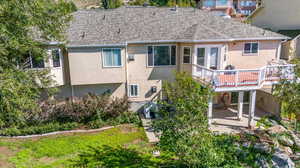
{"x":152,"y":24}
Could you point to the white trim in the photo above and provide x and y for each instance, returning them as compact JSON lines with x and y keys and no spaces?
{"x":170,"y":52}
{"x":129,"y":90}
{"x":189,"y":47}
{"x":51,"y":58}
{"x":251,"y":54}
{"x":207,"y":54}
{"x":103,"y":58}
{"x":178,"y":41}
{"x":214,"y":40}
{"x":97,"y":45}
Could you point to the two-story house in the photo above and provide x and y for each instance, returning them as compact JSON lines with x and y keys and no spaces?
{"x":133,"y":50}
{"x":230,"y":7}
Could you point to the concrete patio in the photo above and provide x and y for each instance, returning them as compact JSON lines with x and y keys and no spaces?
{"x":226,"y":121}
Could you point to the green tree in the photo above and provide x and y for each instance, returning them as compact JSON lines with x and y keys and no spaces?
{"x":110,"y":4}
{"x":288,"y":93}
{"x":183,"y":123}
{"x":26,"y":25}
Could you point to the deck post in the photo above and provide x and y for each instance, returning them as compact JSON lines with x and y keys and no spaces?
{"x":210,"y":109}
{"x":251,"y":108}
{"x":240,"y":105}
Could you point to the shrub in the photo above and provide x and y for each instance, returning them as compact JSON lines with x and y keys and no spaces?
{"x":83,"y":110}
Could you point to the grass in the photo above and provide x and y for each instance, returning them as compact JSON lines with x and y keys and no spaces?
{"x":56,"y":151}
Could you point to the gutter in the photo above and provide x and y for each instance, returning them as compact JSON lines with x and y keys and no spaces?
{"x":126,"y":70}
{"x":178,"y":41}
{"x":215,"y":40}
{"x":97,"y":45}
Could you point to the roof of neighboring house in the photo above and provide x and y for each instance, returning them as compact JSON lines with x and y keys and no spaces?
{"x":152,"y":24}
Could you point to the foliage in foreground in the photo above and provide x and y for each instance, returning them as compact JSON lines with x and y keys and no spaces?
{"x":108,"y":156}
{"x":183,"y":122}
{"x":184,"y":129}
{"x":56,"y":151}
{"x":91,"y":111}
{"x":287,"y":93}
{"x":25,"y":26}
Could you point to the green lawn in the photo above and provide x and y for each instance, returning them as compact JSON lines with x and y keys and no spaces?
{"x":56,"y":151}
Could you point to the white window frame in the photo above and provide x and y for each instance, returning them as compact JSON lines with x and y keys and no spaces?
{"x":207,"y":56}
{"x":170,"y":51}
{"x":129,"y":90}
{"x":190,"y":48}
{"x":251,"y":48}
{"x":60,"y":58}
{"x":103,"y":58}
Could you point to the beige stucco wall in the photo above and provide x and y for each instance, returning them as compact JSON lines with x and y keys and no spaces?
{"x":278,"y":15}
{"x":267,"y":52}
{"x":86,"y":67}
{"x":267,"y":102}
{"x":116,"y":90}
{"x":146,"y":77}
{"x":88,"y":75}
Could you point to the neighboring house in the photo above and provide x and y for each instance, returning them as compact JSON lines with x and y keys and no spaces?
{"x":277,"y":15}
{"x":231,"y":7}
{"x":283,"y":17}
{"x":133,"y":50}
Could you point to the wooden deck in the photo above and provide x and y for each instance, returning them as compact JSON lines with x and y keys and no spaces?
{"x":226,"y":80}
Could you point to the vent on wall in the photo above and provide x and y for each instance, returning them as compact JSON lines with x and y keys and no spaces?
{"x":131,"y":57}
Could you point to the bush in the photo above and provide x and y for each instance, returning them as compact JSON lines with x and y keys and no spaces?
{"x":41,"y":129}
{"x":83,"y":110}
{"x":90,"y":111}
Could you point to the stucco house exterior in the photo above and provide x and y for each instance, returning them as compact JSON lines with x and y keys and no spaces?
{"x":283,"y":17}
{"x":133,"y":50}
{"x":277,"y":15}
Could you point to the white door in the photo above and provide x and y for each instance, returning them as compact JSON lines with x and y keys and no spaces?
{"x":208,"y":56}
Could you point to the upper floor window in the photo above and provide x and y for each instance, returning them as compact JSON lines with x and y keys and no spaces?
{"x":161,"y":55}
{"x":55,"y":57}
{"x":186,"y":55}
{"x":222,"y":2}
{"x":111,"y":57}
{"x":251,"y":48}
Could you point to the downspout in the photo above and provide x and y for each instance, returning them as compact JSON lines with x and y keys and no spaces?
{"x":126,"y":68}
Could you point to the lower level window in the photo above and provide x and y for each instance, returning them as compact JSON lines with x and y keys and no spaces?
{"x":133,"y":90}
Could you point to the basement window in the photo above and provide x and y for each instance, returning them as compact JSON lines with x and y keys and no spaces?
{"x":133,"y":90}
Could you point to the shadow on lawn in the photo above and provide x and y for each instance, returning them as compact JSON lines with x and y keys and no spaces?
{"x":120,"y":157}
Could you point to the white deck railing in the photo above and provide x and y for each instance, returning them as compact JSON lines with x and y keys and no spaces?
{"x":243,"y":78}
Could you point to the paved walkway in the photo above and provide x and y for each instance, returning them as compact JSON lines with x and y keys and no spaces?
{"x":152,"y":137}
{"x":225,"y":121}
